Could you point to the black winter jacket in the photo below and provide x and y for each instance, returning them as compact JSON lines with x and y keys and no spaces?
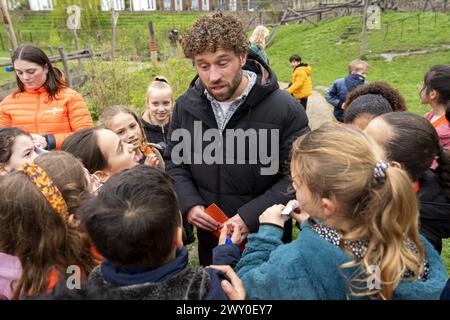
{"x":156,"y":134}
{"x":235,"y":188}
{"x":434,"y":210}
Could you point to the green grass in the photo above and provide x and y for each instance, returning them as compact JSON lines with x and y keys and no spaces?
{"x":46,"y":28}
{"x":446,"y":254}
{"x":322,"y":48}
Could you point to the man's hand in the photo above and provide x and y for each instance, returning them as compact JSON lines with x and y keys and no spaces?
{"x":235,"y":289}
{"x":273,"y":215}
{"x":199,"y":218}
{"x":230,"y":229}
{"x":242,"y":226}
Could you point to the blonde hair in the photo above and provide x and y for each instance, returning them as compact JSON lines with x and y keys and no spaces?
{"x":385,"y":213}
{"x":357,"y":65}
{"x":259,"y":36}
{"x":159,"y":83}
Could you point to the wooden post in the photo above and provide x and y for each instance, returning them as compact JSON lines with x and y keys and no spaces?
{"x":153,"y":47}
{"x":66,"y":66}
{"x":364,"y":29}
{"x":418,"y":23}
{"x":77,"y":48}
{"x":401,"y":34}
{"x":114,"y":18}
{"x":8,"y":24}
{"x":51,"y":50}
{"x":444,"y":7}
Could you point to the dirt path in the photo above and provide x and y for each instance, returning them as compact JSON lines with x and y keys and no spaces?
{"x":389,"y":56}
{"x":318,"y":109}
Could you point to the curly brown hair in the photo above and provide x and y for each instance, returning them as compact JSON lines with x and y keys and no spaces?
{"x":393,"y":96}
{"x":212,"y":32}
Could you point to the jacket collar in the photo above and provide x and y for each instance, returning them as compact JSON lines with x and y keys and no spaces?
{"x":120,"y":276}
{"x":39,"y":90}
{"x":153,"y":127}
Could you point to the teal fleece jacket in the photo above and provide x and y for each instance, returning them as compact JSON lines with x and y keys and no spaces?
{"x":308,"y":269}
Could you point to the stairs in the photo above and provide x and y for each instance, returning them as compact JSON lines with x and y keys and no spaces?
{"x":354,"y":28}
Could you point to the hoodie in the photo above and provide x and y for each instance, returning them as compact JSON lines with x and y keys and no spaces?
{"x":301,"y":84}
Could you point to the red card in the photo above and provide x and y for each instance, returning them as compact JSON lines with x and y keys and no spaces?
{"x":217,"y":214}
{"x":214,"y":212}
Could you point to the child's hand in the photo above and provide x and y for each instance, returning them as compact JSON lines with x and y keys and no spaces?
{"x":155,"y":160}
{"x":231,"y":230}
{"x":152,"y":161}
{"x":273,"y":215}
{"x":298,"y":214}
{"x":234,"y":288}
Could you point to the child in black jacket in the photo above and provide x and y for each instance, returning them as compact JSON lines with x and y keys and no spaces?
{"x":135,"y":223}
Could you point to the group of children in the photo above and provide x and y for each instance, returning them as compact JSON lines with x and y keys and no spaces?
{"x":362,"y":199}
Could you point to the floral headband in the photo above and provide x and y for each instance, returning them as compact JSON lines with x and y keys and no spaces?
{"x":47,"y":187}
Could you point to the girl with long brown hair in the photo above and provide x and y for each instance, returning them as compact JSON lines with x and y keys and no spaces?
{"x":38,"y":221}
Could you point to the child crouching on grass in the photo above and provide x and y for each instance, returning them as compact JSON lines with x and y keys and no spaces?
{"x":135,"y":223}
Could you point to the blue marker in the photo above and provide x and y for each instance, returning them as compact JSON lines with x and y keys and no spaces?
{"x":228,"y":241}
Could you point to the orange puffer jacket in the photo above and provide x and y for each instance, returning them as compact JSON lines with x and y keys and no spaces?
{"x":33,"y":112}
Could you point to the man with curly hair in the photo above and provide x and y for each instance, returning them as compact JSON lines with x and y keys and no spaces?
{"x":234,"y":95}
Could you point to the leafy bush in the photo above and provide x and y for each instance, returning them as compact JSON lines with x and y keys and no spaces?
{"x":125,"y":82}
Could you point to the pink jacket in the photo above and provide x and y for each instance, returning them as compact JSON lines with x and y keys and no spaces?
{"x":442,"y":128}
{"x":10,"y":269}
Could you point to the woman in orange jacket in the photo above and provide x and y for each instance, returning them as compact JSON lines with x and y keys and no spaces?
{"x":43,"y":106}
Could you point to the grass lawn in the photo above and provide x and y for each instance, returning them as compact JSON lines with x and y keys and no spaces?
{"x":329,"y":55}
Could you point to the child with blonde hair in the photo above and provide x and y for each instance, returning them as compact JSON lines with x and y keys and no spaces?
{"x":337,"y":93}
{"x":156,"y":118}
{"x":362,"y":238}
{"x":258,"y":42}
